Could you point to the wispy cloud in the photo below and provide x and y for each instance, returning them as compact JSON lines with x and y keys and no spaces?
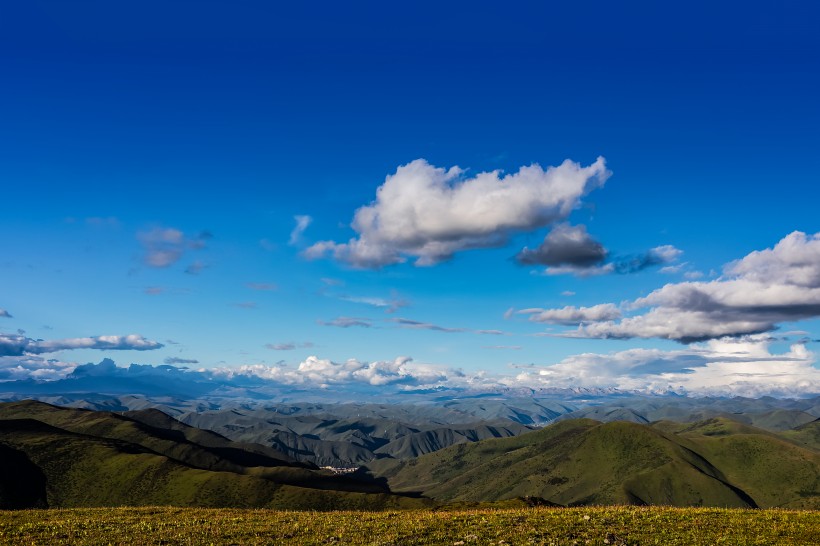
{"x":153,"y":290}
{"x":164,"y":247}
{"x":429,"y":214}
{"x":176,"y":360}
{"x":347,"y":322}
{"x":302,"y":223}
{"x":196,"y":267}
{"x":5,"y":314}
{"x":245,"y":304}
{"x":390,"y":305}
{"x":262,"y":286}
{"x":289,"y":346}
{"x":418,"y":325}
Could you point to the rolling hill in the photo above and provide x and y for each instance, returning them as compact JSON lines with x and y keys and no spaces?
{"x":583,"y":462}
{"x":71,"y":458}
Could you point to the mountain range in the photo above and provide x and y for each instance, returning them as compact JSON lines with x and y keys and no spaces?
{"x":613,"y":449}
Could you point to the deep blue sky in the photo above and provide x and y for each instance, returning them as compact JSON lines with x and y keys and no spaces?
{"x":232,"y":118}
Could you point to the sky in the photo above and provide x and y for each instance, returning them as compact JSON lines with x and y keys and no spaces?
{"x":563,"y":194}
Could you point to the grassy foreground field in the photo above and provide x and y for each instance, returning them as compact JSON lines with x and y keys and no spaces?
{"x":609,"y":525}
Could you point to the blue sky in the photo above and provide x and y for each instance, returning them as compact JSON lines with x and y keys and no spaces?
{"x":156,"y":157}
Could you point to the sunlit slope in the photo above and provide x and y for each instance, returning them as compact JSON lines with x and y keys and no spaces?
{"x":587,"y":462}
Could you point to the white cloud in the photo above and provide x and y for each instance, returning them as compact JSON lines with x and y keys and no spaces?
{"x":730,"y":366}
{"x":33,"y":367}
{"x":18,"y":345}
{"x":4,"y":314}
{"x":755,"y":294}
{"x":429,"y":213}
{"x":571,"y":315}
{"x":314,"y":371}
{"x":302,"y":223}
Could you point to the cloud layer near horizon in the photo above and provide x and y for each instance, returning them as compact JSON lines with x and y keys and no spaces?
{"x":429,"y":214}
{"x":729,"y":366}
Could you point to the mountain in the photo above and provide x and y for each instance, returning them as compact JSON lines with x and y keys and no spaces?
{"x":351,"y":435}
{"x":583,"y":462}
{"x":60,"y":457}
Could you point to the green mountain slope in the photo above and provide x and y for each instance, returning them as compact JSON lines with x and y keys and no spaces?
{"x":110,"y":461}
{"x":155,"y":431}
{"x":582,"y":462}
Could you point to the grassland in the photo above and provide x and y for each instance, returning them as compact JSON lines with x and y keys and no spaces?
{"x":589,"y":525}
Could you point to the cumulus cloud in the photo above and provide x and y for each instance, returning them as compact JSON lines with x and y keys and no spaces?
{"x":177,"y":360}
{"x":754,"y":295}
{"x":164,"y":247}
{"x":33,"y":367}
{"x":730,"y":366}
{"x":565,"y":245}
{"x":4,"y":314}
{"x":302,"y":223}
{"x":18,"y":345}
{"x":314,"y":371}
{"x":347,"y":322}
{"x":573,"y":316}
{"x":429,"y":214}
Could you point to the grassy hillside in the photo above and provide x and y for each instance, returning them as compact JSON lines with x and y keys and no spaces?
{"x":83,"y":470}
{"x":595,"y":526}
{"x":156,"y":431}
{"x":583,"y":462}
{"x":103,"y":459}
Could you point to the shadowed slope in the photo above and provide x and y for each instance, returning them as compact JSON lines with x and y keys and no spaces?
{"x":82,"y":470}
